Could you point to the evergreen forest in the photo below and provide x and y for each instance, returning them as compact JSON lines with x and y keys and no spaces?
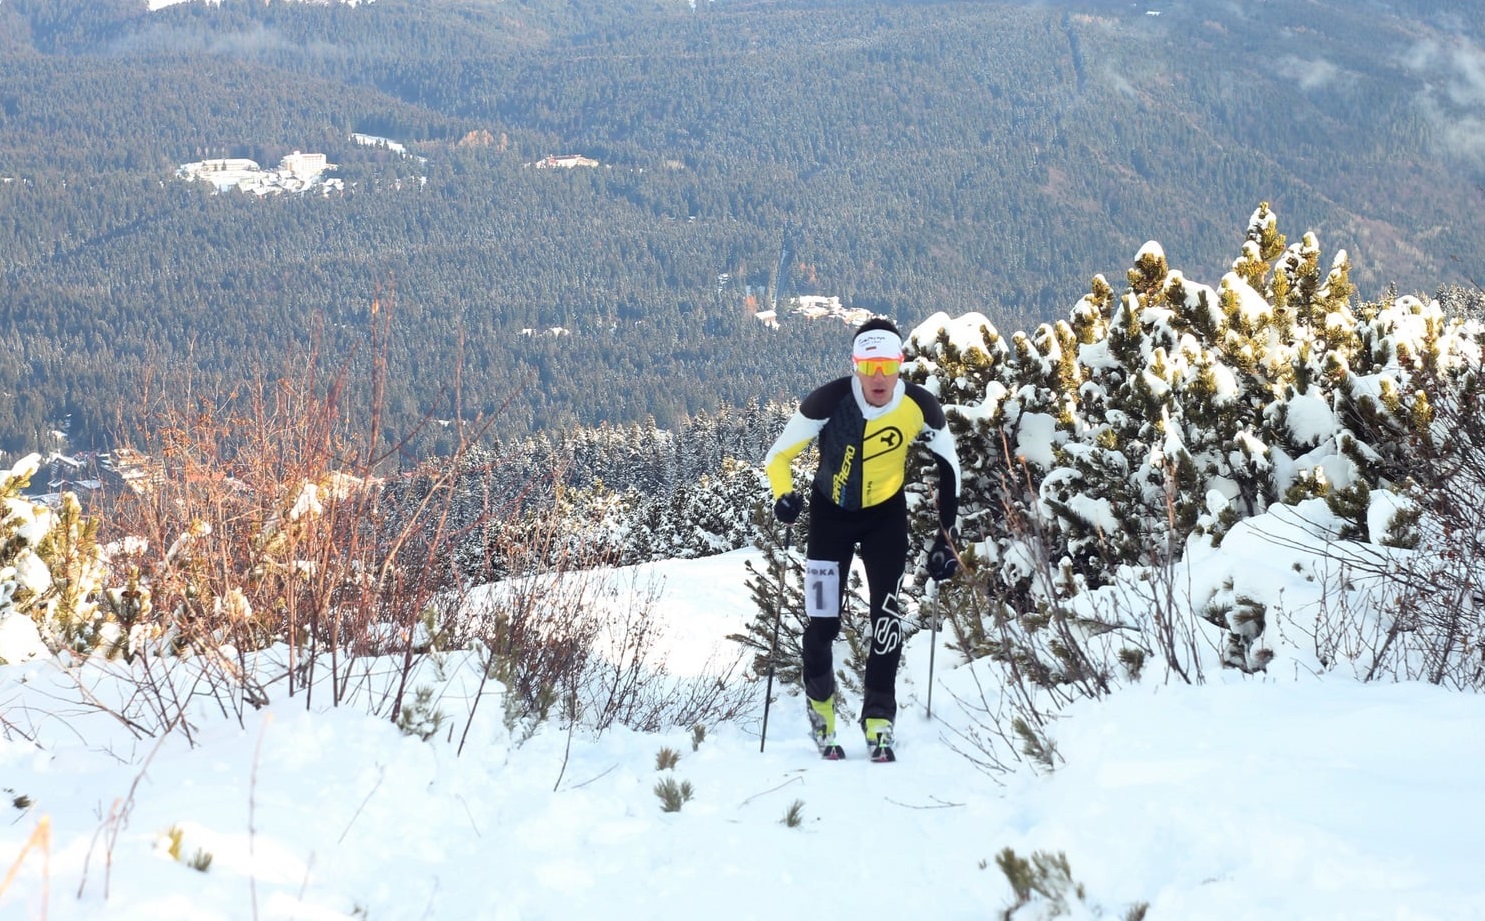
{"x":907,"y":157}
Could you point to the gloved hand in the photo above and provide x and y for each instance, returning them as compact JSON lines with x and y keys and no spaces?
{"x":787,"y":508}
{"x":942,"y":563}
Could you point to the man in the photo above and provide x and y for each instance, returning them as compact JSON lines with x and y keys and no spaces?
{"x":864,"y":424}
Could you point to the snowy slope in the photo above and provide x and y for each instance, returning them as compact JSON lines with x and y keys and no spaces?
{"x":1243,"y":798}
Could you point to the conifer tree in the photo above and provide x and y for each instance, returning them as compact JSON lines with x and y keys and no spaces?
{"x":775,"y":634}
{"x":968,"y":378}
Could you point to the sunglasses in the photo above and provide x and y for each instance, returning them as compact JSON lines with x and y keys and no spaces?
{"x":870,"y":366}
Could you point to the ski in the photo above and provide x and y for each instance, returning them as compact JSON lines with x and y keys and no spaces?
{"x":881,"y":754}
{"x":832,"y":752}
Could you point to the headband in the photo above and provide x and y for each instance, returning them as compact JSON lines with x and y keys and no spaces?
{"x":877,"y":343}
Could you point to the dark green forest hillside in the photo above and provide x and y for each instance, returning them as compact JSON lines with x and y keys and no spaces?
{"x":908,"y":157}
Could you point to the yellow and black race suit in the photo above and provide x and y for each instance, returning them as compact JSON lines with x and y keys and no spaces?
{"x":864,"y":448}
{"x":858,"y":501}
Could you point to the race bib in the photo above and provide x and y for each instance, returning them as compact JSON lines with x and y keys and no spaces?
{"x":822,"y":588}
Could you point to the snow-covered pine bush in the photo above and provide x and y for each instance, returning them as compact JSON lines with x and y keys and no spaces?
{"x":962,"y":362}
{"x":51,"y":569}
{"x":1169,"y":413}
{"x":1434,"y":627}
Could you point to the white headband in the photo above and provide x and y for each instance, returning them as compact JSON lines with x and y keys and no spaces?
{"x":877,"y":343}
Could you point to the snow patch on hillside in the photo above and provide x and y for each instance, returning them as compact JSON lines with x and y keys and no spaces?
{"x":161,"y":4}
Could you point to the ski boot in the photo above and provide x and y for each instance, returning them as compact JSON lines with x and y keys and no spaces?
{"x":878,"y":739}
{"x":822,"y":728}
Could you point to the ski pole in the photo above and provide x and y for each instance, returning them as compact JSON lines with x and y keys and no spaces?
{"x":932,"y":647}
{"x":778,"y":615}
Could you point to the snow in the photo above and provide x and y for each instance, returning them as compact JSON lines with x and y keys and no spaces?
{"x":963,"y":330}
{"x":1382,"y":509}
{"x":371,"y":140}
{"x":1251,"y":306}
{"x":1299,"y":793}
{"x":1310,"y":418}
{"x":1097,"y":356}
{"x":1035,"y":438}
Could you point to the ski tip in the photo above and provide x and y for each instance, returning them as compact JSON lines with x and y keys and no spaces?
{"x":833,"y":753}
{"x":882,"y":756}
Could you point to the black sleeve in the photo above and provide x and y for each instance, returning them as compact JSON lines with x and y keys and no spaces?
{"x":948,"y":499}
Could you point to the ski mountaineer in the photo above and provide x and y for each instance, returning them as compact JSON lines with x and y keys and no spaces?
{"x":864,"y":424}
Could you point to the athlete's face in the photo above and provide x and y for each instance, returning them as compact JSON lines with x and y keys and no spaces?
{"x":876,"y":384}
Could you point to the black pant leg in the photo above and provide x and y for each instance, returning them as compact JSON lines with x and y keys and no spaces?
{"x":884,"y":551}
{"x":828,"y":540}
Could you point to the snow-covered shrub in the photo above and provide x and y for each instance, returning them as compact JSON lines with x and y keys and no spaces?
{"x":51,"y":569}
{"x":1430,"y":540}
{"x":1156,"y":420}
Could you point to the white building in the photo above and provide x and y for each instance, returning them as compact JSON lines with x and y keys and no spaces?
{"x":303,"y":166}
{"x":566,"y":161}
{"x":224,"y":173}
{"x":297,"y":172}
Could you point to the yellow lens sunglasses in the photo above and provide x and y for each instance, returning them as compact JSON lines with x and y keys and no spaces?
{"x":871,"y":366}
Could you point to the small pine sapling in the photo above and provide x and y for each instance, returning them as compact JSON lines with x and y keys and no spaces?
{"x":1045,"y":876}
{"x":421,"y":718}
{"x":673,"y":794}
{"x":1039,"y":748}
{"x":1047,"y":880}
{"x":172,"y":843}
{"x":794,"y":817}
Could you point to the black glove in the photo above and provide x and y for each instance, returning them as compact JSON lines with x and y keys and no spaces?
{"x":787,"y":508}
{"x":942,"y":563}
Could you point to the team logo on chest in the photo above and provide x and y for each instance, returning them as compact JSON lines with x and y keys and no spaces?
{"x":882,"y":441}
